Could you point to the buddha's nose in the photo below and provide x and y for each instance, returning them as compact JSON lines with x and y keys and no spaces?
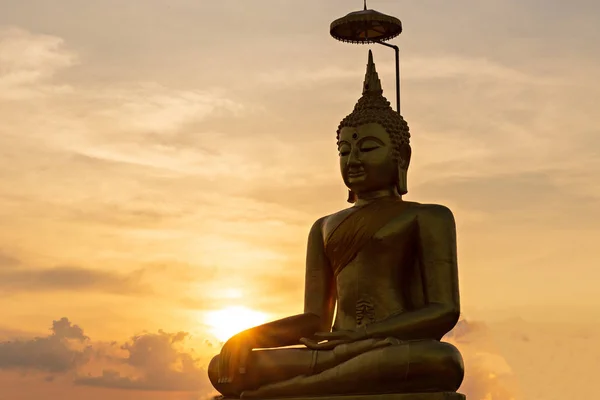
{"x":353,"y":159}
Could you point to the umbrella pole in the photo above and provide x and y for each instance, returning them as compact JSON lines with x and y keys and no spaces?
{"x":397,"y":51}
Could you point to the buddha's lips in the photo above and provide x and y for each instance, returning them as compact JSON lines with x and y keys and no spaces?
{"x":355,"y":174}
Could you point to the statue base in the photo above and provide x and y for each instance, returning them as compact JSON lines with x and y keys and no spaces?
{"x":390,"y":396}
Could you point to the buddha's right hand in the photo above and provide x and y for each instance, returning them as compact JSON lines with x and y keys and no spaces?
{"x":330,"y":340}
{"x":234,"y":356}
{"x":328,"y":345}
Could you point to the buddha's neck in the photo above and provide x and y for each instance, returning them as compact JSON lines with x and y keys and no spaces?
{"x":369,"y":197}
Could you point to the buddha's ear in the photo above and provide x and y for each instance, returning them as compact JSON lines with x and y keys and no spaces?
{"x":401,"y":183}
{"x":403,"y":163}
{"x":405,"y":154}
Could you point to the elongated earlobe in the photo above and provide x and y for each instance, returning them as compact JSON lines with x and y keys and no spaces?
{"x":402,"y":184}
{"x":351,"y":197}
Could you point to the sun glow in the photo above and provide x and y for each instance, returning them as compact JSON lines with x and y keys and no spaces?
{"x":231,"y":320}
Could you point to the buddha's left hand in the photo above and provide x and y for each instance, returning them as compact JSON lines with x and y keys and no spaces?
{"x":329,"y":340}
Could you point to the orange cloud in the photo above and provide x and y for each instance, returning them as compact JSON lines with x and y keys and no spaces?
{"x":487,"y":374}
{"x":157,"y":362}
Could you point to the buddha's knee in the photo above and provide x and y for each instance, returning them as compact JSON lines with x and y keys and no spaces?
{"x":229,"y":389}
{"x":213,"y":371}
{"x":452,"y":363}
{"x":437,"y":359}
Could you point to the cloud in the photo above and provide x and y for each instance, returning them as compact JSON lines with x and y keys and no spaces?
{"x":28,"y":61}
{"x":552,"y":359}
{"x":137,"y":122}
{"x":149,"y":361}
{"x":487,"y":374}
{"x":65,"y":349}
{"x":159,"y":364}
{"x":138,"y":215}
{"x":7,"y":261}
{"x":150,"y":107}
{"x":69,"y":278}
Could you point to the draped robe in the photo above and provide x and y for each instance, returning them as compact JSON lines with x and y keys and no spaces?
{"x":342,"y":245}
{"x":346,"y":240}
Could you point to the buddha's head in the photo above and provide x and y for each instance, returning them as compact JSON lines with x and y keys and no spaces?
{"x":373,"y":143}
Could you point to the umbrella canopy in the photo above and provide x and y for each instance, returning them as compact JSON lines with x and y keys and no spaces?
{"x":365,"y":26}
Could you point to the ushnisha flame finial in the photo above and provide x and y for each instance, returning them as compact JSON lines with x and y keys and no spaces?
{"x":372,"y":83}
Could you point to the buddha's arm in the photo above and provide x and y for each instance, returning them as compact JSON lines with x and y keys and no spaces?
{"x":319,"y":301}
{"x":283,"y":332}
{"x":319,"y":284}
{"x":439,"y":271}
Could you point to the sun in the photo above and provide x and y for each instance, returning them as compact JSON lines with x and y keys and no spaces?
{"x":228,"y":321}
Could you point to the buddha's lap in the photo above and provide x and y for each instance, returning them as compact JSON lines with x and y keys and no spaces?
{"x":412,"y":361}
{"x":424,"y":356}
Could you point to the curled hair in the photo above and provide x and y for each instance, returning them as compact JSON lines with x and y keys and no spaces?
{"x":374,"y":108}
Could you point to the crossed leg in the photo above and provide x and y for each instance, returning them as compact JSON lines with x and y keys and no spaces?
{"x":371,"y":366}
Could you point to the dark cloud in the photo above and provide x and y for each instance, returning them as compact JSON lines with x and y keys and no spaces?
{"x":20,"y":279}
{"x":159,"y":363}
{"x":65,"y":349}
{"x":149,"y":361}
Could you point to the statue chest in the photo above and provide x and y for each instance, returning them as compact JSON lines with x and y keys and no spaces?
{"x":378,"y":281}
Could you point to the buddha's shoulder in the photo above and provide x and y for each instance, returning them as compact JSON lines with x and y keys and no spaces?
{"x":327,"y":223}
{"x":423,"y":212}
{"x":436,"y":212}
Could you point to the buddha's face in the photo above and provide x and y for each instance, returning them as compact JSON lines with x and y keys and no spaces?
{"x":366,"y":158}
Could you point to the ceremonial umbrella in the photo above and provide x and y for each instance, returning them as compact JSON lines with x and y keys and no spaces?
{"x":370,"y":26}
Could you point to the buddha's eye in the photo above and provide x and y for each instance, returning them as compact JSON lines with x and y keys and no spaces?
{"x":369,"y":145}
{"x":344,"y":151}
{"x":368,"y":149}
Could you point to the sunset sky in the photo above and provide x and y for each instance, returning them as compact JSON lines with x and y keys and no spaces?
{"x":162,"y":161}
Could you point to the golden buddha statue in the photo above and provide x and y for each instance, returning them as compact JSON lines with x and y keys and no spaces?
{"x":385,"y":267}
